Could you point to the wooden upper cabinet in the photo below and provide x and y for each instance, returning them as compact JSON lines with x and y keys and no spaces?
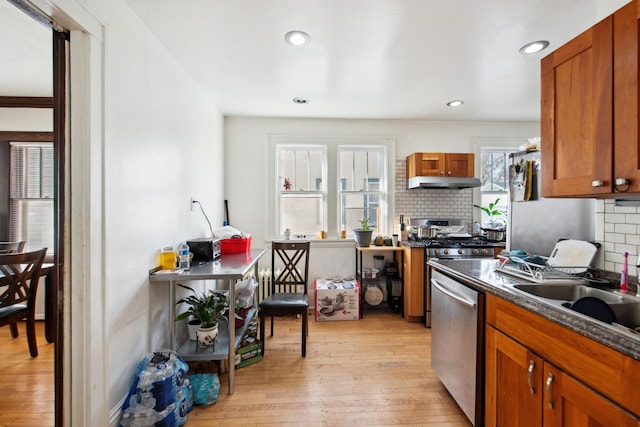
{"x":589,"y":116}
{"x":440,"y":164}
{"x":626,"y":154}
{"x":576,"y":115}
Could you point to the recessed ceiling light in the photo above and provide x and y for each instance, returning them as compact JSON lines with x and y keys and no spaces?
{"x":300,"y":100}
{"x":296,"y":38}
{"x":534,"y":47}
{"x":455,"y":103}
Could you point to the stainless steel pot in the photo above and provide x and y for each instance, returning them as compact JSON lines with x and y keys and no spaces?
{"x":427,"y":232}
{"x":494,"y":235}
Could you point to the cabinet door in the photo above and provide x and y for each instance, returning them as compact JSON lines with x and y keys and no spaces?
{"x":432,"y":164}
{"x":577,"y":113}
{"x":569,"y":403}
{"x":460,"y":164}
{"x":626,"y":30}
{"x":413,"y":276}
{"x":513,"y":383}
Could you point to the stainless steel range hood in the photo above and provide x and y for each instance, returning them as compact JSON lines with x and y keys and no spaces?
{"x":442,"y":182}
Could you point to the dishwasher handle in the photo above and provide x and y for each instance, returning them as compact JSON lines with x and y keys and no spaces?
{"x":457,"y":298}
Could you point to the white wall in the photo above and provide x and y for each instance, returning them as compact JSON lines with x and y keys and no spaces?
{"x":246,"y":178}
{"x":26,"y":119}
{"x":161,"y":144}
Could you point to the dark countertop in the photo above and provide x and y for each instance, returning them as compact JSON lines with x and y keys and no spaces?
{"x":480,"y":274}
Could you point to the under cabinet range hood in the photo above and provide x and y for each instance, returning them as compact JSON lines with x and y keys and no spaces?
{"x":442,"y":182}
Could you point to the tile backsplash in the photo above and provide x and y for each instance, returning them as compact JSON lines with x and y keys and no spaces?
{"x":617,"y":230}
{"x":432,"y":203}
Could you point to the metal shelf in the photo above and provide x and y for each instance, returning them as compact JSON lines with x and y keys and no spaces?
{"x":189,"y":349}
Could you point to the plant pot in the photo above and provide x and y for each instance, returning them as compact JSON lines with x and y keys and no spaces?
{"x":192,"y":326}
{"x":363,"y":237}
{"x":207,"y":336}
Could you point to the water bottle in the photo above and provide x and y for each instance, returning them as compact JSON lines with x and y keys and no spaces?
{"x":183,"y":256}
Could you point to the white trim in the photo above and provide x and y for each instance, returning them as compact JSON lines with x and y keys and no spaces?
{"x":478,"y":145}
{"x":85,"y":397}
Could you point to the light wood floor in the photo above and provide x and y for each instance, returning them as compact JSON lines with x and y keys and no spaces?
{"x":26,"y":383}
{"x":371,"y":372}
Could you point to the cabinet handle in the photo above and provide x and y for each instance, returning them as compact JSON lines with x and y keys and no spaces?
{"x":449,"y":172}
{"x":597,"y":183}
{"x":532,"y":365}
{"x":622,"y":181}
{"x":547,"y":390}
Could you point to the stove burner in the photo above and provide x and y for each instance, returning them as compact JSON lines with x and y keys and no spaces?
{"x":454,"y":243}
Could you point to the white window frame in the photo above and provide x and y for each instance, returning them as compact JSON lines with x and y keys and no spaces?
{"x":383,"y":200}
{"x":31,"y":196}
{"x":332,"y":143}
{"x":491,"y":143}
{"x":279,"y":183}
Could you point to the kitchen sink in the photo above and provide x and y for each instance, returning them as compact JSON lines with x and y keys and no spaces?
{"x":567,"y":291}
{"x":626,"y":309}
{"x":627,"y":314}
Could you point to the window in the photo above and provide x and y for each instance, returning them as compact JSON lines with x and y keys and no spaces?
{"x":362,"y":192}
{"x":301,"y":184}
{"x":31,"y":194}
{"x":494,"y":165}
{"x":329,"y":184}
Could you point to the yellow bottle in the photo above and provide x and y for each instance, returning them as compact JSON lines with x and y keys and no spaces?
{"x":168,"y":258}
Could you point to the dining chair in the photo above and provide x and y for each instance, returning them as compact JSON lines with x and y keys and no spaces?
{"x":19,"y":276}
{"x":11,"y":247}
{"x":288,"y":287}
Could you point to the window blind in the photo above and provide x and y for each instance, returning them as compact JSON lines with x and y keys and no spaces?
{"x":32,"y":194}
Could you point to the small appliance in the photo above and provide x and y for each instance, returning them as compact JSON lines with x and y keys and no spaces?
{"x":204,"y":249}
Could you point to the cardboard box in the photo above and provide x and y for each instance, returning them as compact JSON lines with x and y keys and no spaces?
{"x":337,"y":300}
{"x":246,"y":355}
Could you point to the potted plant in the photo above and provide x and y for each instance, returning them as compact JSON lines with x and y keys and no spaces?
{"x":495,"y":226}
{"x":242,"y":307}
{"x":208,"y":308}
{"x":363,"y":234}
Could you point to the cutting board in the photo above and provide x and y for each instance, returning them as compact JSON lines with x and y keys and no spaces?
{"x":573,"y":253}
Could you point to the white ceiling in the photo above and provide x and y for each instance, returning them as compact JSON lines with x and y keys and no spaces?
{"x":372,"y":59}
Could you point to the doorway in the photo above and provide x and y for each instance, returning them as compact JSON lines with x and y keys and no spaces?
{"x":20,"y":125}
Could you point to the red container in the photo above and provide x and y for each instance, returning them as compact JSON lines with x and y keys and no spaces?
{"x":235,"y":246}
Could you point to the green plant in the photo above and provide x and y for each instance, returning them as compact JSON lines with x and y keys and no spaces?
{"x":364,"y":224}
{"x":493,"y":213}
{"x":208,"y":307}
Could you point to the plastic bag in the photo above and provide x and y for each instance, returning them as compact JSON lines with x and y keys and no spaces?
{"x":205,"y":388}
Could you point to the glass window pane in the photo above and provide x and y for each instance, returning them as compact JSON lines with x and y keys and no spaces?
{"x":302,"y":213}
{"x":302,"y":168}
{"x":358,"y":206}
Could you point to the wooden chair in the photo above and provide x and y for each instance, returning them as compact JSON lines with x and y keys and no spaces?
{"x":11,"y":247}
{"x":288,"y":288}
{"x":19,"y":276}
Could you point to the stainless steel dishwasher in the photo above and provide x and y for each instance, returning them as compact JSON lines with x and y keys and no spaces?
{"x":457,"y":342}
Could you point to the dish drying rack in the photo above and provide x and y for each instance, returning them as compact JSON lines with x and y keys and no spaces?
{"x":533,"y":272}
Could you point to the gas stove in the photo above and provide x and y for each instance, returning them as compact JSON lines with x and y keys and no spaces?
{"x":471,"y":247}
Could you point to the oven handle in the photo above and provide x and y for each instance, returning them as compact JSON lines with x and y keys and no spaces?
{"x":451,"y":295}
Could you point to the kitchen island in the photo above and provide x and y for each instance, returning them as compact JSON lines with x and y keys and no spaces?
{"x":545,"y":362}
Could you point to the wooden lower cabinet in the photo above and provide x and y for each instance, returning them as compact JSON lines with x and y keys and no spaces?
{"x":413,"y":274}
{"x":512,"y":393}
{"x":525,"y":387}
{"x":569,"y":403}
{"x":523,"y":390}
